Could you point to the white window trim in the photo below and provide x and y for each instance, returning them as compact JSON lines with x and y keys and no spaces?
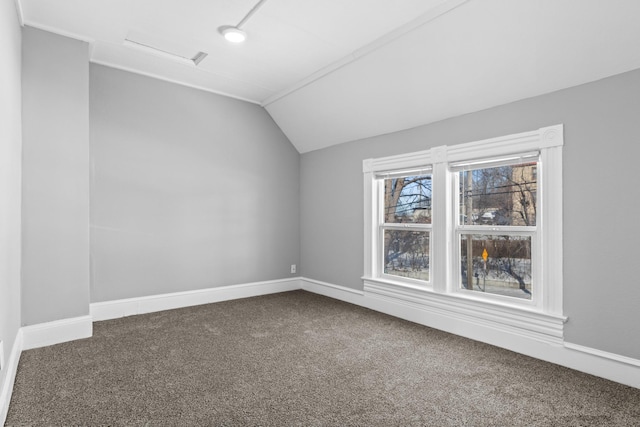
{"x":543,"y":321}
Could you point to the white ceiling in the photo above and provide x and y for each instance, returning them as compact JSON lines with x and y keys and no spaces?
{"x":331,"y":71}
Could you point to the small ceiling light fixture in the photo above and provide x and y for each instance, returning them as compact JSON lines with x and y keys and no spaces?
{"x":235,"y":34}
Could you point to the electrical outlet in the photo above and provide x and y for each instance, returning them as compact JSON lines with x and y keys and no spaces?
{"x":293,"y":268}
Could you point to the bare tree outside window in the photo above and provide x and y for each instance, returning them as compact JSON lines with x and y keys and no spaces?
{"x":506,"y":269}
{"x":502,"y":196}
{"x":407,"y":200}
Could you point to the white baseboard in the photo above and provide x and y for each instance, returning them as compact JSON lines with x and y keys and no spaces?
{"x":604,"y":354}
{"x":614,"y":367}
{"x":150,"y":304}
{"x":50,"y":333}
{"x":8,"y":376}
{"x":59,"y":331}
{"x":341,"y":293}
{"x":621,"y":369}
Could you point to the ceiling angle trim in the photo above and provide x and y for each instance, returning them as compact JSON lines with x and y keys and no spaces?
{"x":429,"y":16}
{"x":58,"y":31}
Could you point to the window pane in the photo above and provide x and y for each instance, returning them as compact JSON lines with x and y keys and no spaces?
{"x":503,"y":195}
{"x":406,"y":254}
{"x":408,"y":199}
{"x":496,"y":264}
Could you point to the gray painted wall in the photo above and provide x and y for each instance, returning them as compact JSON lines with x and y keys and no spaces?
{"x":601,"y":291}
{"x":55,"y":177}
{"x":189,"y":189}
{"x":192,"y":190}
{"x":10,"y":176}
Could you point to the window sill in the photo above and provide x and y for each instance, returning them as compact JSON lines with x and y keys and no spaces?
{"x":521,"y":321}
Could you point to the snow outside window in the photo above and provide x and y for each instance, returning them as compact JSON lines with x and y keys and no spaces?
{"x":479,"y":222}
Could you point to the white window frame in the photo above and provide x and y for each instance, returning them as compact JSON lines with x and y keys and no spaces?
{"x":543,"y":315}
{"x":460,"y":230}
{"x":382,"y":226}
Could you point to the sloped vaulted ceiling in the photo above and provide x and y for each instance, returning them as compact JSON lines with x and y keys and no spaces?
{"x":481,"y":54}
{"x":333,"y":71}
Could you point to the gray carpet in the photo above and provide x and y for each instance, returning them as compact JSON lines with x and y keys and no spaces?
{"x":299,"y":359}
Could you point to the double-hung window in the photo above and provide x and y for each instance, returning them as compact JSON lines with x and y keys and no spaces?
{"x":405,"y":224}
{"x":496,"y":226}
{"x":475,"y":226}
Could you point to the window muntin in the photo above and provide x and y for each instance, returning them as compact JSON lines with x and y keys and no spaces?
{"x":405,"y":229}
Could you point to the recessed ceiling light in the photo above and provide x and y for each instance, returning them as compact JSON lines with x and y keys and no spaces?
{"x":233,"y":34}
